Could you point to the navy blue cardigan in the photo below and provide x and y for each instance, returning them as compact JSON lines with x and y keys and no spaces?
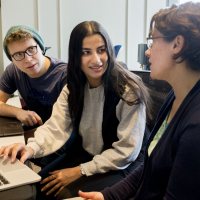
{"x":172,"y":171}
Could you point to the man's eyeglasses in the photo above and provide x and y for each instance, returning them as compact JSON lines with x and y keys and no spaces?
{"x":18,"y":56}
{"x":150,"y":40}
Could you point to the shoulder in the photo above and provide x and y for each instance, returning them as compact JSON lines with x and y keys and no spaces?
{"x":65,"y":89}
{"x":187,"y":118}
{"x":58,"y":68}
{"x":58,"y":63}
{"x":12,"y":71}
{"x":63,"y":95}
{"x":130,"y":93}
{"x":191,"y":105}
{"x":11,"y":67}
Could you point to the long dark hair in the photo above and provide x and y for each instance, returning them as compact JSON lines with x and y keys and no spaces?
{"x":114,"y":79}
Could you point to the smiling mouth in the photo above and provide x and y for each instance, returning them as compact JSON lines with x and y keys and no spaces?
{"x":97,"y":69}
{"x":32,"y":66}
{"x":96,"y":66}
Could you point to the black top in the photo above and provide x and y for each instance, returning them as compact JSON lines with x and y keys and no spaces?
{"x":172,"y":171}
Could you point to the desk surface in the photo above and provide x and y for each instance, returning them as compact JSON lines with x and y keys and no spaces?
{"x":4,"y":141}
{"x":10,"y":126}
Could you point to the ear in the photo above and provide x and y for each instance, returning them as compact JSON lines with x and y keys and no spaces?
{"x":178,"y":43}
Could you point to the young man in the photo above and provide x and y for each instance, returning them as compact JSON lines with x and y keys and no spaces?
{"x":39,"y":79}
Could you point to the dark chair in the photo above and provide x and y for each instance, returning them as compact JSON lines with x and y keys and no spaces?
{"x":116,"y":49}
{"x":158,"y":92}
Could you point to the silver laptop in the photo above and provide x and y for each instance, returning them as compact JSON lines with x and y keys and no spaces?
{"x":15,"y":174}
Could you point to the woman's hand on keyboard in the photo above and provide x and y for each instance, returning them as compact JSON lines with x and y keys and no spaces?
{"x":16,"y":149}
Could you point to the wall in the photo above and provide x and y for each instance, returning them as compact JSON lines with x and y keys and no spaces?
{"x":15,"y":13}
{"x":136,"y":28}
{"x":153,"y":8}
{"x":111,"y":14}
{"x":125,"y":21}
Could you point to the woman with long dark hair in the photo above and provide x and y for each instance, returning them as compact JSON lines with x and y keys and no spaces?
{"x":101,"y":113}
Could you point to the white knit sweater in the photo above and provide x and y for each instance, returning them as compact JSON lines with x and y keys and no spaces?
{"x":56,"y":131}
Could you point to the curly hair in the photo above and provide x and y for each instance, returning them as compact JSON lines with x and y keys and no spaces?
{"x":181,"y":20}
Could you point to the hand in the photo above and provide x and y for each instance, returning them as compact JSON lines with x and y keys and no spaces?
{"x":28,"y":118}
{"x":59,"y":179}
{"x":91,"y":195}
{"x":16,"y":149}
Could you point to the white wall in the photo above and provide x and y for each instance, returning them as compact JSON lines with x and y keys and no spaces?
{"x":136,"y":28}
{"x":152,"y":7}
{"x":15,"y":13}
{"x":125,"y":21}
{"x":110,"y":13}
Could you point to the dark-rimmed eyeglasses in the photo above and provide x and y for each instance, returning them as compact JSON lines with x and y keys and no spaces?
{"x":150,"y":40}
{"x":30,"y":51}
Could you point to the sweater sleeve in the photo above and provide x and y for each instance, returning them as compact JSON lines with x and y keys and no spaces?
{"x":184,"y":180}
{"x":125,"y":150}
{"x":126,"y":188}
{"x":54,"y":132}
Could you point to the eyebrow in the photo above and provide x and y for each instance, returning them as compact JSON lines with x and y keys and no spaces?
{"x":25,"y":49}
{"x":102,"y":46}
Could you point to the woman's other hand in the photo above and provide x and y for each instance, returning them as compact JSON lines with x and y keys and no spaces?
{"x":91,"y":195}
{"x":59,"y":179}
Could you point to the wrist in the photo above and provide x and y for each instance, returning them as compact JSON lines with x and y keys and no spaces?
{"x":31,"y":152}
{"x":82,"y":171}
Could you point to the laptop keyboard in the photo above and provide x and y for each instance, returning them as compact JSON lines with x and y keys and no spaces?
{"x":3,"y":180}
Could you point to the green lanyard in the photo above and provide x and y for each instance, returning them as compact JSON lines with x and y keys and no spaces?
{"x":158,"y":136}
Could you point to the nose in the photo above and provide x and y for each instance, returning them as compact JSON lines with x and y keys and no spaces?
{"x":147,"y":53}
{"x":27,"y":57}
{"x":96,"y":59}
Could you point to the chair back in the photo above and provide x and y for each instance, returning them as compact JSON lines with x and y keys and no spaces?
{"x":117,"y":48}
